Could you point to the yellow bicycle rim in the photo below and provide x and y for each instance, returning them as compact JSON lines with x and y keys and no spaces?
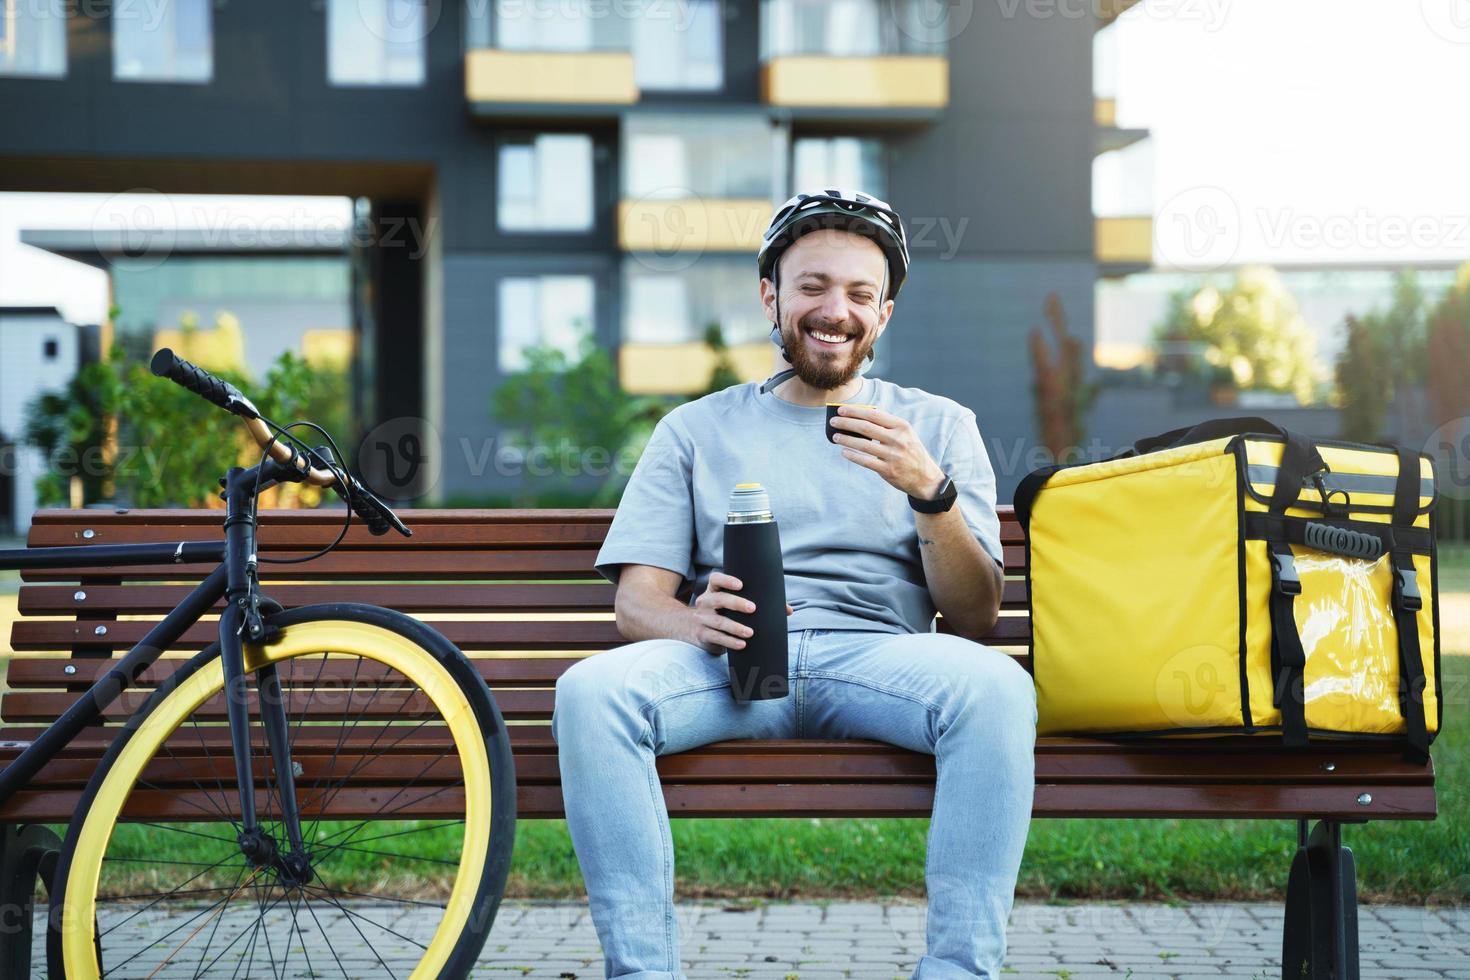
{"x":338,"y":636}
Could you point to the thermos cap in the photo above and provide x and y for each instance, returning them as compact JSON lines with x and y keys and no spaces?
{"x":749,"y":499}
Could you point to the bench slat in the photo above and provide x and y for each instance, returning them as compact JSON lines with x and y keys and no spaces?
{"x":536,"y":801}
{"x":390,"y":562}
{"x":34,"y":634}
{"x":136,"y":600}
{"x":47,"y":521}
{"x":1058,"y":761}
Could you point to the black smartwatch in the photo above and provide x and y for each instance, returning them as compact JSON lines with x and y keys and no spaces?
{"x":948,"y":493}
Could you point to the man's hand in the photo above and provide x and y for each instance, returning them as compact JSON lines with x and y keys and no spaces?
{"x":888,"y":445}
{"x":714,"y":632}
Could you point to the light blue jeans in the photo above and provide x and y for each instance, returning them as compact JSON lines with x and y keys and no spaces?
{"x":972,"y":707}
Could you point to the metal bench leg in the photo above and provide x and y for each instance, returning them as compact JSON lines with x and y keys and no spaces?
{"x":26,"y":851}
{"x":1320,"y":934}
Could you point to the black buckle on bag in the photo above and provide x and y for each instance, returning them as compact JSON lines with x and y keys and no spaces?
{"x":1406,"y":593}
{"x":1284,"y":578}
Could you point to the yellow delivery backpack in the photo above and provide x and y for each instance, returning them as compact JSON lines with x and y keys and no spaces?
{"x":1236,"y":578}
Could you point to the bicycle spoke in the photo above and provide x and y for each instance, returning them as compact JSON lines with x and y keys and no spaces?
{"x":348,"y":915}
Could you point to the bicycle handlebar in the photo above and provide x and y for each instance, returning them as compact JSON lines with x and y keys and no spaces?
{"x":376,"y":514}
{"x":167,"y":364}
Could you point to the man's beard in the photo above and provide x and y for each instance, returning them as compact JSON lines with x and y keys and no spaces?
{"x":825,"y":371}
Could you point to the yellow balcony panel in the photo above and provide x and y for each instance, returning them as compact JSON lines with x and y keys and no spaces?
{"x":683,"y":369}
{"x":901,"y":81}
{"x":1105,"y":111}
{"x":558,"y":77}
{"x":692,"y":224}
{"x":1110,"y":10}
{"x":1124,"y":240}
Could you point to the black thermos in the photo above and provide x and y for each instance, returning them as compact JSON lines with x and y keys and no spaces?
{"x":753,"y":555}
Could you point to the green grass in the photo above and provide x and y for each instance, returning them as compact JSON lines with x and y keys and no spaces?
{"x":1454,"y":567}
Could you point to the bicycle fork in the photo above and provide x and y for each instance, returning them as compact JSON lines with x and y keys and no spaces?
{"x":241,"y":617}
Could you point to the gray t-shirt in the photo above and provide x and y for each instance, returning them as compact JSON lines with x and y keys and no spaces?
{"x":848,"y":538}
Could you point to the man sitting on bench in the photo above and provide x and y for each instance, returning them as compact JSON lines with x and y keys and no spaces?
{"x":877,"y":532}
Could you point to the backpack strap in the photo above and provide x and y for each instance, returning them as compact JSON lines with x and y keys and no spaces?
{"x":1408,"y":602}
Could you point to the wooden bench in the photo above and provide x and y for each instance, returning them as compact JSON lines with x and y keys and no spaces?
{"x":465,"y":571}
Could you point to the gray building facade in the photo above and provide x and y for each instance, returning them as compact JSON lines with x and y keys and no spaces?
{"x":978,"y":122}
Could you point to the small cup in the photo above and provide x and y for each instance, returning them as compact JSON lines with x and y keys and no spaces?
{"x":832,"y":414}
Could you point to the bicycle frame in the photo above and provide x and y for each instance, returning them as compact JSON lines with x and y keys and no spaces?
{"x":235,"y":580}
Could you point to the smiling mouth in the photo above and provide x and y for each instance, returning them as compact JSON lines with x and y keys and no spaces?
{"x":831,"y":341}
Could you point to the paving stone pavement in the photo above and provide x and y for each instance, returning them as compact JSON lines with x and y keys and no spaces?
{"x":883,"y":941}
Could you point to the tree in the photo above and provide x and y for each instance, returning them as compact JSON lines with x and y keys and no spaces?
{"x":572,"y":409}
{"x":1383,"y":353}
{"x":723,"y":374}
{"x":70,"y":427}
{"x":153,"y":444}
{"x":1448,"y":350}
{"x":1061,"y":391}
{"x":1364,"y":380}
{"x":1254,"y":328}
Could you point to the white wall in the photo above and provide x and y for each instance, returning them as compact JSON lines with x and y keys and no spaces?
{"x":25,"y":372}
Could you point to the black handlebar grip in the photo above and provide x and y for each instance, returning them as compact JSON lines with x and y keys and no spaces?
{"x":166,"y":364}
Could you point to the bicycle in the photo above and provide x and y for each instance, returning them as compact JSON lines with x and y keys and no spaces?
{"x":271,"y":729}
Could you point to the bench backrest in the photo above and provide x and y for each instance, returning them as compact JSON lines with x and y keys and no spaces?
{"x":515,"y":589}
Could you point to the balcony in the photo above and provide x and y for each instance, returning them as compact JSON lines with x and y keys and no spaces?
{"x":1111,"y":136}
{"x":684,"y":369}
{"x":570,"y":59}
{"x":671,"y":311}
{"x":1109,"y":11}
{"x":692,"y":224}
{"x":507,"y":82}
{"x":887,"y":63}
{"x":697,"y":183}
{"x":1123,"y":244}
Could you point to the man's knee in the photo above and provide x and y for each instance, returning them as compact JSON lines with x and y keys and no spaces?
{"x":995,"y":681}
{"x":599,"y":690}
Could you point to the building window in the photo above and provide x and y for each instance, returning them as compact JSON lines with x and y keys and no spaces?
{"x":556,"y":25}
{"x":33,"y":38}
{"x":550,"y":311}
{"x":846,"y":162}
{"x":50,"y":348}
{"x":678,"y":47}
{"x":678,"y":307}
{"x":672,"y":156}
{"x":168,"y":42}
{"x":376,"y":42}
{"x":545,"y":184}
{"x":853,"y":28}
